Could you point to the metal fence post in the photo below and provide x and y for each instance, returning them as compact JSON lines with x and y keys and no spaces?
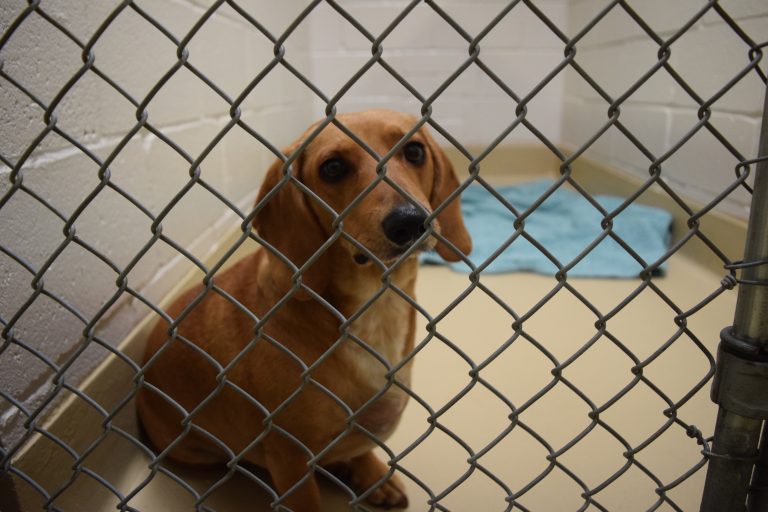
{"x":736,"y":476}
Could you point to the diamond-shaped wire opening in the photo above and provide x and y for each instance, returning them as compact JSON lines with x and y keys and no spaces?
{"x":697,"y":366}
{"x":642,"y":52}
{"x":569,"y":405}
{"x":514,"y":445}
{"x":516,"y":372}
{"x":565,"y":302}
{"x":57,"y":58}
{"x":617,"y":367}
{"x":721,"y":156}
{"x":599,"y":468}
{"x":729,"y":44}
{"x":155,"y":49}
{"x":478,"y":402}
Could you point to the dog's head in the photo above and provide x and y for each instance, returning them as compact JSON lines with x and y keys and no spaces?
{"x":385,"y":218}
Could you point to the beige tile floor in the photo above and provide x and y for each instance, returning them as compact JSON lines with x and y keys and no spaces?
{"x":478,"y":326}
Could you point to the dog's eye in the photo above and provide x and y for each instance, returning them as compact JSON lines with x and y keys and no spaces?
{"x":333,"y":170}
{"x":414,"y":153}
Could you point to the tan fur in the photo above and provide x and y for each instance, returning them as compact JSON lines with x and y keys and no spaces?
{"x":228,"y":414}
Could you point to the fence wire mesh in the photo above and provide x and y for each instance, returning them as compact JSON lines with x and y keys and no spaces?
{"x":59,"y":367}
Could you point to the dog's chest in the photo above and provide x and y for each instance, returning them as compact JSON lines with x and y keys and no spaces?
{"x":376,"y":344}
{"x":384,"y":326}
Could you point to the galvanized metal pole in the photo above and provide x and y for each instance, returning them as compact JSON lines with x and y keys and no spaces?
{"x":751,"y":318}
{"x":741,"y":381}
{"x":755,"y":326}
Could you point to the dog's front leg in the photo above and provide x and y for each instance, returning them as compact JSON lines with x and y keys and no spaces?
{"x":291,"y":476}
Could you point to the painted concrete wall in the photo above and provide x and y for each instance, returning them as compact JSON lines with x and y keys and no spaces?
{"x":426,"y":50}
{"x":616,"y":53}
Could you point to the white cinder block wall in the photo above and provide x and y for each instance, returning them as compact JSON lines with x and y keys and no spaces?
{"x":426,"y":51}
{"x":616,"y":53}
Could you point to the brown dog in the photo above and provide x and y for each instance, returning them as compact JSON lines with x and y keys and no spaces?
{"x":297,"y":376}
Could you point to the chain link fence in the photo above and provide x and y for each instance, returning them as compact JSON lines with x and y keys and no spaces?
{"x":62,"y":381}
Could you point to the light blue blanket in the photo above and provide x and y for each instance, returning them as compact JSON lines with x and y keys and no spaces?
{"x":565,"y":225}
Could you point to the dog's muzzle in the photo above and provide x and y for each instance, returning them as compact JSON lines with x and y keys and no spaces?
{"x":404,"y":224}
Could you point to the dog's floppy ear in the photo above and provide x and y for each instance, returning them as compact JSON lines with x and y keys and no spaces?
{"x":450,"y":219}
{"x":287,"y":222}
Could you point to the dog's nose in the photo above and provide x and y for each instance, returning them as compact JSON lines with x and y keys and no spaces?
{"x":404,"y":224}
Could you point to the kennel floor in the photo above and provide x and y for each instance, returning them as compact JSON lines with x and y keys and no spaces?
{"x":479,"y":327}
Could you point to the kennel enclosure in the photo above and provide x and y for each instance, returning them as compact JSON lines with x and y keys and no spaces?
{"x":135,"y":134}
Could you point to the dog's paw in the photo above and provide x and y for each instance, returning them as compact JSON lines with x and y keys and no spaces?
{"x":365,"y":472}
{"x":390,"y":494}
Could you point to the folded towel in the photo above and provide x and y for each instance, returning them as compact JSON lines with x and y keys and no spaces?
{"x":564,"y":224}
